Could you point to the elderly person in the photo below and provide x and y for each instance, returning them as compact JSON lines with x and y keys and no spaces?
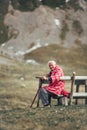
{"x":55,"y":86}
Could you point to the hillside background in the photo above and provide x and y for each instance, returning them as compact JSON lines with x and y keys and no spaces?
{"x":28,"y":25}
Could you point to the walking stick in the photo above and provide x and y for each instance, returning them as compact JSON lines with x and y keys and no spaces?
{"x":40,"y":84}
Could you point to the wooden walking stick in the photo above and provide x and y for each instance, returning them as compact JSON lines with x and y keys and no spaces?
{"x":40,"y":84}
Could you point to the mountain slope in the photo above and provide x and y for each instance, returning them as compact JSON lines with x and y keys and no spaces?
{"x":43,"y":26}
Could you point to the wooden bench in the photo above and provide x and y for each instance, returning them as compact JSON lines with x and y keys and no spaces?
{"x":76,"y":81}
{"x":80,"y":83}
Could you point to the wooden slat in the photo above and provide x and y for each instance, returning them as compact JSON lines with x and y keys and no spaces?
{"x":65,"y":78}
{"x":80,"y":95}
{"x":69,"y":77}
{"x":76,"y":78}
{"x":80,"y":77}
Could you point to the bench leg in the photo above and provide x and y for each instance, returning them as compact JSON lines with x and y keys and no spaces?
{"x":59,"y":101}
{"x":62,"y":101}
{"x":65,"y":101}
{"x":86,"y":91}
{"x":77,"y":90}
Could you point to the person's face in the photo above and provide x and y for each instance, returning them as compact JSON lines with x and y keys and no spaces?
{"x":51,"y":66}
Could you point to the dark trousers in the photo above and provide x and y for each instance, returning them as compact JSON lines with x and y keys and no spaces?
{"x":45,"y":96}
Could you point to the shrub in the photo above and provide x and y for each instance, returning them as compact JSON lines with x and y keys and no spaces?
{"x":77,"y":27}
{"x":64,"y":30}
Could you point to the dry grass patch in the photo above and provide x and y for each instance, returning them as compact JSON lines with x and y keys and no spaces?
{"x":17,"y":90}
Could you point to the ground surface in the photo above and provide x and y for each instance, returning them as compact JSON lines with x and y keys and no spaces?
{"x":18,"y":84}
{"x":17,"y":90}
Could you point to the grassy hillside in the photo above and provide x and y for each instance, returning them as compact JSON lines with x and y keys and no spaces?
{"x":17,"y":90}
{"x":70,"y":58}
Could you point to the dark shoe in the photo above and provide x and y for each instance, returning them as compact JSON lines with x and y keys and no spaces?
{"x":47,"y":105}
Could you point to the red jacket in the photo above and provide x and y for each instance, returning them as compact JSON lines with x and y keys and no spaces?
{"x":57,"y":86}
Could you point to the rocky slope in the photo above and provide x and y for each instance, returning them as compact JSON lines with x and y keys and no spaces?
{"x":43,"y":26}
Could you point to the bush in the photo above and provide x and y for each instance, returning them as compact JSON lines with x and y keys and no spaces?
{"x":64,"y":30}
{"x":77,"y":27}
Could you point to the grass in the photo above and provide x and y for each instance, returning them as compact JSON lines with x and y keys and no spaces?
{"x":18,"y":87}
{"x":71,"y":59}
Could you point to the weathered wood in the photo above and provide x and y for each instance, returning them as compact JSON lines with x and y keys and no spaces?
{"x":79,"y":84}
{"x":80,"y":77}
{"x":75,"y":80}
{"x":86,"y":90}
{"x":72,"y":87}
{"x":76,"y":95}
{"x":69,"y":77}
{"x":80,"y":95}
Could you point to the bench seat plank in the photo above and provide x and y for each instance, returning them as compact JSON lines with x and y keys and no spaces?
{"x":76,"y":78}
{"x":80,"y":95}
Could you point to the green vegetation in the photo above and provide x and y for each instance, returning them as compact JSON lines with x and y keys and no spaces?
{"x":77,"y":27}
{"x":75,"y":5}
{"x":3,"y":33}
{"x":18,"y":87}
{"x":3,"y":29}
{"x":74,"y":57}
{"x":57,"y":3}
{"x":64,"y":30}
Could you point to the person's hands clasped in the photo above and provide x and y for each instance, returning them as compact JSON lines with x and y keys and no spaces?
{"x":44,"y":78}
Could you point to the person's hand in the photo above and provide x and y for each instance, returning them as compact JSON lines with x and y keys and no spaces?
{"x":44,"y":78}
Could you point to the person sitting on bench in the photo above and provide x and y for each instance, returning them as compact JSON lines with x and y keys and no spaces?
{"x":55,"y":86}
